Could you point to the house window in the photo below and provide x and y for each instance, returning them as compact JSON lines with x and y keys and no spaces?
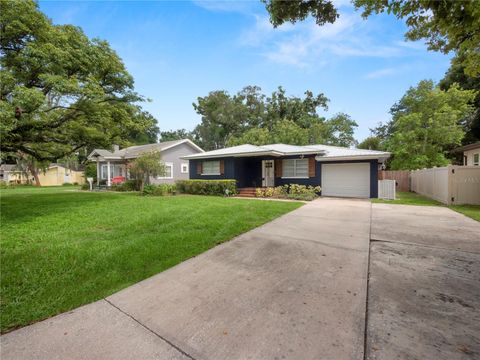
{"x":168,"y":171}
{"x":211,"y":168}
{"x":476,"y":159}
{"x":104,"y":172}
{"x":295,"y":168}
{"x":184,"y":168}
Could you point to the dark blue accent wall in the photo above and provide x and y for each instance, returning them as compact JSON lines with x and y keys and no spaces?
{"x":248,"y":172}
{"x":229,"y":170}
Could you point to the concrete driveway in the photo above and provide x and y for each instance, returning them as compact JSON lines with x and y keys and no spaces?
{"x":294,"y":288}
{"x":424,"y":284}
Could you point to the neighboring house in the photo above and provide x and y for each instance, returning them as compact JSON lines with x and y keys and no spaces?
{"x":339,"y":171}
{"x":54,"y":175}
{"x":114,"y":163}
{"x":57,"y":174}
{"x":10,"y":174}
{"x":471,"y":154}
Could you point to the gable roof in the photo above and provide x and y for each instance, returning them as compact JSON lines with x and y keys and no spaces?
{"x":322,"y":152}
{"x":468,"y":147}
{"x":135,"y":151}
{"x":8,"y":167}
{"x":247,"y":150}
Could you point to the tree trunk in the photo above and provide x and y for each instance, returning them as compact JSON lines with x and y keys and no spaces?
{"x":34,"y":172}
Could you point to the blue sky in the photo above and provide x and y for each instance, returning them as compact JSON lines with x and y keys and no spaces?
{"x":179,"y":50}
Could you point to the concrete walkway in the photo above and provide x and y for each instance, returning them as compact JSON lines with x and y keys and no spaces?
{"x":294,"y":288}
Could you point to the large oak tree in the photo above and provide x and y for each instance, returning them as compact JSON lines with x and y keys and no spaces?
{"x":61,"y":91}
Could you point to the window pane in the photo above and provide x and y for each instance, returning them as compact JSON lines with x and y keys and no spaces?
{"x":476,"y":159}
{"x":211,"y":167}
{"x":168,"y":171}
{"x":301,"y":168}
{"x":288,"y":168}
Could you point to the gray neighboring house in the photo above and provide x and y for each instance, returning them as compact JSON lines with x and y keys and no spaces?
{"x":114,"y":163}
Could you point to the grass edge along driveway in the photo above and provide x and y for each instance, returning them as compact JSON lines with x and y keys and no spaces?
{"x":62,"y":248}
{"x":411,"y":198}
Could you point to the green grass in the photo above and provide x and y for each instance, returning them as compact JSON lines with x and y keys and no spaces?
{"x":61,"y":248}
{"x":472,"y":211}
{"x":410,"y":198}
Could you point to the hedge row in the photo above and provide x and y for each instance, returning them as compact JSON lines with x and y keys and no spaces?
{"x":207,"y":187}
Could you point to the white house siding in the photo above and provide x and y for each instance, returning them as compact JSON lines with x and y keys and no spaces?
{"x":469,"y":156}
{"x":172,"y":156}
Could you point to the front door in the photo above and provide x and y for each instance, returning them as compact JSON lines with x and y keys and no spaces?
{"x":268,"y":173}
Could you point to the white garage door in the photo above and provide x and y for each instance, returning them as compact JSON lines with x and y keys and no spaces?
{"x":346,"y":180}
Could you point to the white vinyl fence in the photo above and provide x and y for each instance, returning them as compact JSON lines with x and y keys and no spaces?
{"x":451,"y":185}
{"x":386,"y":189}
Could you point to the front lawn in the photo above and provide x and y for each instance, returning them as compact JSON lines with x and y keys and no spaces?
{"x":62,"y":248}
{"x":411,"y":198}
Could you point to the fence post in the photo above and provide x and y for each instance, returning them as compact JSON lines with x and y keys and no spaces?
{"x":451,"y":182}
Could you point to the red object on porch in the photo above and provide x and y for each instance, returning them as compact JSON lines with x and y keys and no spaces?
{"x":118,"y":179}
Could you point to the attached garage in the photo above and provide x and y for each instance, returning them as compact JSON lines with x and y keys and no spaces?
{"x":346,"y":180}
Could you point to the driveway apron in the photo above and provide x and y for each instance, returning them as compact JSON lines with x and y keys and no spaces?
{"x":424,"y":288}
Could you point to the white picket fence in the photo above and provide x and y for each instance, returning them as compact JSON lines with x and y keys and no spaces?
{"x":386,"y":189}
{"x":451,"y":185}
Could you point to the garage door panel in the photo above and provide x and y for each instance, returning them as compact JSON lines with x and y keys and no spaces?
{"x":346,"y":180}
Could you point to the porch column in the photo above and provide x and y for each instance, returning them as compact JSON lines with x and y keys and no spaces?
{"x":109,"y":183}
{"x":98,"y":172}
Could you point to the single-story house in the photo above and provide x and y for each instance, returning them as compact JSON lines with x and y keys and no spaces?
{"x":53,"y":175}
{"x":11,"y":174}
{"x":58,"y":174}
{"x":340,"y":171}
{"x":114,"y":163}
{"x":471,"y":154}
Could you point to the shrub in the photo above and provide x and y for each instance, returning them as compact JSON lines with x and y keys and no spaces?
{"x":207,"y":187}
{"x":3,"y":184}
{"x":85,"y":186}
{"x":67,"y":184}
{"x":304,"y":197}
{"x":129,"y":185}
{"x":91,"y":171}
{"x":292,"y":191}
{"x":160,"y":190}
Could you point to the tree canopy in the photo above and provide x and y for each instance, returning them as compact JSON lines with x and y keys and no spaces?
{"x":447,"y":25}
{"x":371,"y":143}
{"x":146,"y":165}
{"x":426,"y":124}
{"x":61,"y":91}
{"x":456,"y":75}
{"x":175,"y":135}
{"x":252,"y":117}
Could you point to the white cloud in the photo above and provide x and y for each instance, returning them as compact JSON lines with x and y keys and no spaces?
{"x":225,"y":5}
{"x":380,"y":73}
{"x":262,"y":31}
{"x":306,"y":44}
